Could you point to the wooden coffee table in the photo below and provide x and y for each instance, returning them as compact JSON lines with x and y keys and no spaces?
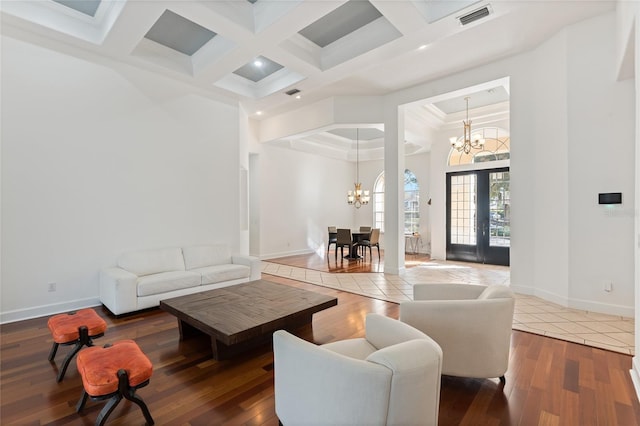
{"x":242,"y":316}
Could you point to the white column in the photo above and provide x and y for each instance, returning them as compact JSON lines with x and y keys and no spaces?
{"x":394,"y":189}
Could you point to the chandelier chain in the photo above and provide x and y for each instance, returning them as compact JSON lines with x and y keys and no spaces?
{"x":358,"y":197}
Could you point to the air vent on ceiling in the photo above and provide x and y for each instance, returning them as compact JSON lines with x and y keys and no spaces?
{"x":474,"y":16}
{"x":292,"y":92}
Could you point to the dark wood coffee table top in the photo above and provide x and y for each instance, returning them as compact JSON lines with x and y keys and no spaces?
{"x":242,"y":312}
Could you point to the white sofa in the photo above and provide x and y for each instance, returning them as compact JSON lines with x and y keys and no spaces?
{"x":389,"y":377}
{"x":143,"y":278}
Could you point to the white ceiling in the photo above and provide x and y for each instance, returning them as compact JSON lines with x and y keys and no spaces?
{"x":388,"y":45}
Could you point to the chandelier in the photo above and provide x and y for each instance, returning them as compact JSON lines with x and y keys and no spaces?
{"x":358,"y":197}
{"x":468,"y":141}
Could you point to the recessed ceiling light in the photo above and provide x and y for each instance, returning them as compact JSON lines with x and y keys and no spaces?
{"x":257,"y":63}
{"x":299,"y":96}
{"x":259,"y":112}
{"x":424,"y":46}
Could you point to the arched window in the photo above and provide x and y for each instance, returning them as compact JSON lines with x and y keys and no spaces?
{"x":378,"y":203}
{"x":496,"y":147}
{"x":411,"y":202}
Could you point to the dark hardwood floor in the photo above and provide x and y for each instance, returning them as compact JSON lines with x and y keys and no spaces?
{"x":549,"y":382}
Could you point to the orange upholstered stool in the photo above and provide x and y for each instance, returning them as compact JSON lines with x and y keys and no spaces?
{"x":113,"y":372}
{"x":78,"y":328}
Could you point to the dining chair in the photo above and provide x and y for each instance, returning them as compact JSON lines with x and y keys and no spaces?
{"x":343,"y":240}
{"x":364,"y":229}
{"x":333,"y":237}
{"x":372,"y":241}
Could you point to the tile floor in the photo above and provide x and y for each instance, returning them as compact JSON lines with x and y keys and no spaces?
{"x":532,"y":314}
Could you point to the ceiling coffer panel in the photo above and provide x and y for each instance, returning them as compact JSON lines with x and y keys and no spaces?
{"x":344,"y":20}
{"x":88,"y":7}
{"x":179,"y":33}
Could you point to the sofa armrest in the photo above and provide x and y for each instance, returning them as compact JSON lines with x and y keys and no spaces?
{"x":250,"y":261}
{"x":447,"y":291}
{"x":118,"y":290}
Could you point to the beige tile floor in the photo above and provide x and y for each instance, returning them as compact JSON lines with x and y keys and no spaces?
{"x":532,"y":314}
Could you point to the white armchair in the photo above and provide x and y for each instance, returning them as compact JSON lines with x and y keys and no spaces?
{"x":471,"y":323}
{"x":390,"y":377}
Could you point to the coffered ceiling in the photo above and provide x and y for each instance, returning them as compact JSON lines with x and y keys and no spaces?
{"x":254,"y":51}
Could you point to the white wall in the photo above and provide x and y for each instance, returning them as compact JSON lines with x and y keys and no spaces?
{"x":101,"y":159}
{"x":601,"y":129}
{"x":300,"y":196}
{"x":576,"y":121}
{"x":549,"y":209}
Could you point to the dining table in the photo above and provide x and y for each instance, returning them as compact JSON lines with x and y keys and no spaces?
{"x":356,"y":237}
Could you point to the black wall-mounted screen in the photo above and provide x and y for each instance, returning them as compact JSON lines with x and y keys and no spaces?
{"x":610,"y":198}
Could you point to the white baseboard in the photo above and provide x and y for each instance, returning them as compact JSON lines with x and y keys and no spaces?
{"x":585,"y":305}
{"x":47,"y":310}
{"x":285,"y":254}
{"x":603,"y":308}
{"x":635,"y":375}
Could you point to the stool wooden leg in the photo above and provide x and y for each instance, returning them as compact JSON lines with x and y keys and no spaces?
{"x":108,"y":409}
{"x":130,"y":393}
{"x":124,"y":390}
{"x":53,"y":351}
{"x":82,"y":340}
{"x":82,"y":401}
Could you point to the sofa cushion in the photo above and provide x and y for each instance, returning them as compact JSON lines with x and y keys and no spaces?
{"x":200,"y":256}
{"x":152,"y":261}
{"x":219,"y":273}
{"x":167,"y":281}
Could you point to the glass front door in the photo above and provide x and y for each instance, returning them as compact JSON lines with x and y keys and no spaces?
{"x":478,"y":216}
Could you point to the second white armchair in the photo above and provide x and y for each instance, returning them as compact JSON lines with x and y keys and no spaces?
{"x":471,"y":323}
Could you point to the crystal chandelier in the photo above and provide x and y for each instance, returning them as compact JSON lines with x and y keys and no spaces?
{"x":468,"y":141}
{"x":358,"y":197}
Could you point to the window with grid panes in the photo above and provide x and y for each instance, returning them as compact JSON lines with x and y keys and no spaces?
{"x":411,"y":203}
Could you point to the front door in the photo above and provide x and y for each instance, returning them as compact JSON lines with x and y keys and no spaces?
{"x":478,"y":216}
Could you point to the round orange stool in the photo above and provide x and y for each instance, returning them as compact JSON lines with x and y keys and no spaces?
{"x":113,"y":372}
{"x":77,"y":327}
